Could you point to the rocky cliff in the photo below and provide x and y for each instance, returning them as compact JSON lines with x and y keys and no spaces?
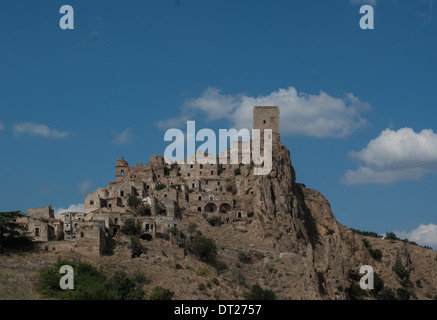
{"x":292,"y":245}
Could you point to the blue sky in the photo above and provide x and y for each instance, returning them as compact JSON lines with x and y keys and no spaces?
{"x":358,"y":107}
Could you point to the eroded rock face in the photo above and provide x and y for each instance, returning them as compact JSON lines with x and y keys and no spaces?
{"x":298,"y":225}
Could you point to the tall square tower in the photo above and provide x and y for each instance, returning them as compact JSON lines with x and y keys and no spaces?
{"x":267,"y":118}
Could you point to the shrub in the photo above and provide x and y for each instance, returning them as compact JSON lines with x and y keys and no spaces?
{"x":89,"y":284}
{"x":237,"y":171}
{"x":167,"y":171}
{"x":133,"y":201}
{"x":366,"y":233}
{"x":192,"y":227}
{"x":160,"y":186}
{"x":160,"y":293}
{"x":214,"y":220}
{"x":258,"y":293}
{"x":354,"y":291}
{"x":376,"y":254}
{"x":220,"y":266}
{"x":330,"y":232}
{"x":205,"y":248}
{"x":204,"y":272}
{"x":147,"y":210}
{"x":391,"y":236}
{"x":121,"y":287}
{"x":387,"y":294}
{"x":136,"y":246}
{"x":403,"y":293}
{"x":131,"y":228}
{"x":401,"y":272}
{"x":378,"y":283}
{"x":244,"y":257}
{"x":201,"y":287}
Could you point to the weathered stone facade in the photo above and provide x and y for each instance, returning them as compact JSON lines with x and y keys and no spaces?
{"x":158,"y":194}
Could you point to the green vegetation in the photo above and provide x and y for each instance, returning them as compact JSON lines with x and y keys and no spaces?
{"x":214,"y":220}
{"x":206,"y":249}
{"x":12,"y":233}
{"x":147,"y":210}
{"x":136,"y":246}
{"x":160,"y":186}
{"x":330,"y":232}
{"x":237,"y":171}
{"x":375,"y":253}
{"x":160,"y":293}
{"x":391,"y":236}
{"x":387,"y":294}
{"x":133,"y":201}
{"x":89,"y":284}
{"x":131,"y":228}
{"x":366,"y":233}
{"x":355,"y":292}
{"x":403,"y":293}
{"x":192,"y":227}
{"x":258,"y":293}
{"x":401,"y":271}
{"x":167,"y":171}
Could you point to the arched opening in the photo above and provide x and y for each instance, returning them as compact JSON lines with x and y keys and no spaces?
{"x":146,"y":236}
{"x":122,"y":173}
{"x":239,"y":214}
{"x":225,"y":207}
{"x":114,"y":232}
{"x":210,"y":207}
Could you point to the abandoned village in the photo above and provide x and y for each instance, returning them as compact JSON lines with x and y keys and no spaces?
{"x":157,"y":196}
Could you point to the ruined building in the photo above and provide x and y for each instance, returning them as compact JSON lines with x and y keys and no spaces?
{"x":157,"y":195}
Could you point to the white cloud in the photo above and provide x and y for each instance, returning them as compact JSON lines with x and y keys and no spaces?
{"x":122,"y":138}
{"x":425,"y":235}
{"x":85,"y":186}
{"x":394,"y":156}
{"x":2,"y":126}
{"x":301,"y":114}
{"x":38,"y":130}
{"x":72,"y":208}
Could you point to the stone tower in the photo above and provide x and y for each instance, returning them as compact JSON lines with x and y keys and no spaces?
{"x":121,"y":169}
{"x":267,"y":118}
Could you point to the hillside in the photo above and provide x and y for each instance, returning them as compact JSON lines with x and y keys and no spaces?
{"x":293,"y":245}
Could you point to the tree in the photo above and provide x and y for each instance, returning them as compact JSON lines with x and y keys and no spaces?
{"x":160,"y":293}
{"x":258,"y":293}
{"x":133,"y":201}
{"x":131,"y":228}
{"x":10,"y":231}
{"x":121,"y":287}
{"x":136,"y":246}
{"x":401,"y":271}
{"x":160,"y":186}
{"x":205,"y":248}
{"x":387,"y":294}
{"x":391,"y":236}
